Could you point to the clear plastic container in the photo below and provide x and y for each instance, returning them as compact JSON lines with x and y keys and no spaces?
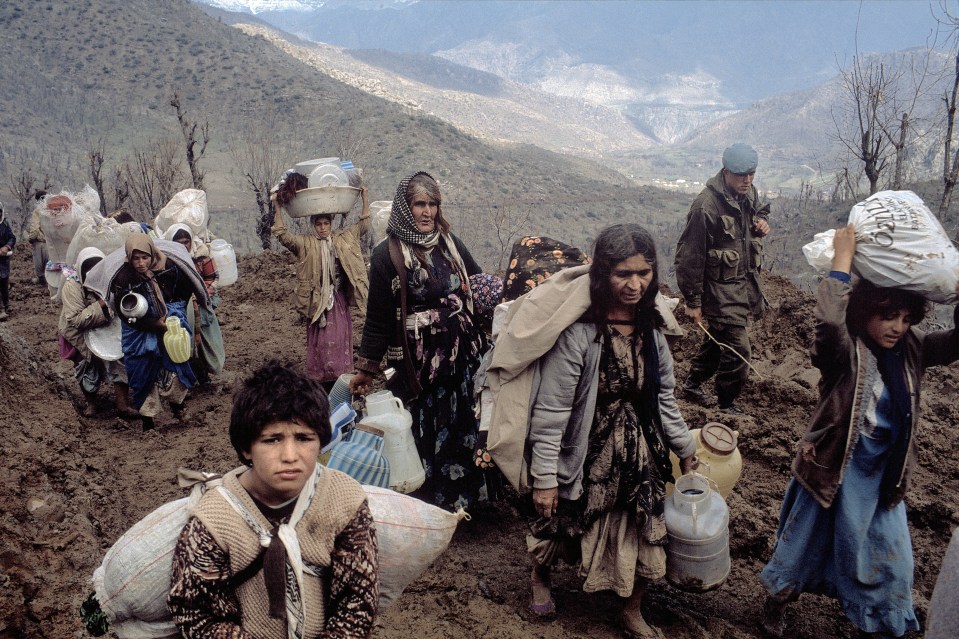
{"x":225,"y":259}
{"x":328,"y":175}
{"x":352,"y":173}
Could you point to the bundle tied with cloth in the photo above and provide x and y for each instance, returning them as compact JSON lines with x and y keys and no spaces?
{"x":899,"y":244}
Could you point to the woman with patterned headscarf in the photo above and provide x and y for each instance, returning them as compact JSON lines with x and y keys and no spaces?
{"x":208,"y":354}
{"x":420,"y":316}
{"x":164,"y":290}
{"x":330,"y":274}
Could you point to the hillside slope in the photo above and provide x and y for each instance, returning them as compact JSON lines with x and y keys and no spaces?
{"x":112,"y":79}
{"x":71,"y":486}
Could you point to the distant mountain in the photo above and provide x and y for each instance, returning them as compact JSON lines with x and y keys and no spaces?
{"x":111,"y":81}
{"x":669,"y":72}
{"x":259,"y":6}
{"x":661,"y":140}
{"x":751,"y":49}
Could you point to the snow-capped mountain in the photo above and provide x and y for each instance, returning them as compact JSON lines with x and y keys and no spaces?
{"x":261,"y":6}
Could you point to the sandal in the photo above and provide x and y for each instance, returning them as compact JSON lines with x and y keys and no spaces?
{"x":541,"y":577}
{"x":544,"y":610}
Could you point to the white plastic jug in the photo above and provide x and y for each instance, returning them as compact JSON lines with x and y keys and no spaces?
{"x":697,"y":525}
{"x":225,"y":259}
{"x":386,"y":412}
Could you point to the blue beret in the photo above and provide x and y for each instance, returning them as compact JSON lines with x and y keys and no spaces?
{"x":740,"y":159}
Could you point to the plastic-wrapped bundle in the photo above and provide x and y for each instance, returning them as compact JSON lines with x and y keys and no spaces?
{"x":87,"y":199}
{"x":186,"y":207}
{"x":380,"y":217}
{"x":59,"y":219}
{"x":899,"y":244}
{"x":103,"y":233}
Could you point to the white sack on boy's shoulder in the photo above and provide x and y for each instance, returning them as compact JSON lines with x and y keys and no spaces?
{"x":899,"y":244}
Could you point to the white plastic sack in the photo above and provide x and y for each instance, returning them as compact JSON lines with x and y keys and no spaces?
{"x":59,"y":226}
{"x":410,"y":535}
{"x":133,"y":581}
{"x":88,"y":200}
{"x":186,"y":207}
{"x":379,"y":218}
{"x":103,"y":233}
{"x":900,"y":244}
{"x":819,"y":252}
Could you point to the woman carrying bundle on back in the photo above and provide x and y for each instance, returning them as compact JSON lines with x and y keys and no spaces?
{"x":842,"y":529}
{"x":420,"y":317}
{"x":209,"y":354}
{"x":330,"y":273}
{"x":84,"y":310}
{"x":603,"y":420}
{"x":163,"y":291}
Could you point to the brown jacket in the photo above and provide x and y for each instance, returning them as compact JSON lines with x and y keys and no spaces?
{"x":346,"y":244}
{"x":81,"y":311}
{"x":833,"y":431}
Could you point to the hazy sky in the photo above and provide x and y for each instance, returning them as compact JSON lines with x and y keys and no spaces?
{"x":757,"y":47}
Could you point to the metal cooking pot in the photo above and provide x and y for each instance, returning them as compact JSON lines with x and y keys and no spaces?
{"x":133,"y":306}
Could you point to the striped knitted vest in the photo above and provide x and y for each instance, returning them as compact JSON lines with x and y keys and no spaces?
{"x":334,"y":505}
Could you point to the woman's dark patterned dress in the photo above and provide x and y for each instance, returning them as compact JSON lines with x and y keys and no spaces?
{"x":446,"y":351}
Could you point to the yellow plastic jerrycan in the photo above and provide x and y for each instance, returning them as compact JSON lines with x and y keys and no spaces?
{"x":176,"y":340}
{"x":719,"y":458}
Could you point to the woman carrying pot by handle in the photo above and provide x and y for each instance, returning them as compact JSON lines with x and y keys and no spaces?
{"x":84,"y":310}
{"x":603,"y":420}
{"x":147,"y":290}
{"x":209,"y":354}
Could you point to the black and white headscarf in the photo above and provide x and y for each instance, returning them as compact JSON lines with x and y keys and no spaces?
{"x":402,"y":224}
{"x":403,"y":227}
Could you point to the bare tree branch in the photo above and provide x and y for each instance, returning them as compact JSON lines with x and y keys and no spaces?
{"x":189,"y":129}
{"x":261,"y":152}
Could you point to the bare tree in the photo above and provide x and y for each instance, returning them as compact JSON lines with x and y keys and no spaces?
{"x":909,"y":87}
{"x":877,"y":126}
{"x":950,"y":160}
{"x":867,"y":84}
{"x":114,"y":191}
{"x":347,"y":141}
{"x":190,"y":130}
{"x":261,"y":152}
{"x":153,"y":176}
{"x":28,"y":178}
{"x":121,"y":189}
{"x":508,"y":221}
{"x":95,"y":156}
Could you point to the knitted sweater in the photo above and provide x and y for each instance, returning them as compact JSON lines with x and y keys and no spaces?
{"x":336,"y":540}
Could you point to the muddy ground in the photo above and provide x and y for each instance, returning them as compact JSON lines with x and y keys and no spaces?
{"x":70,"y":486}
